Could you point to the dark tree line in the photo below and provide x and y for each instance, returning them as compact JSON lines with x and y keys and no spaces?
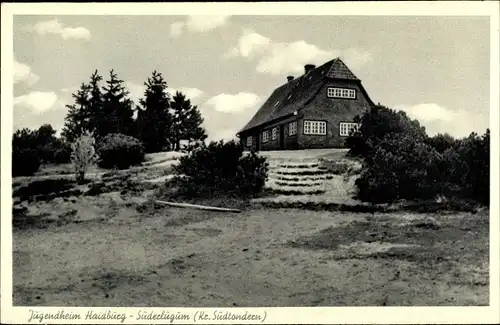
{"x":31,"y":148}
{"x":400,"y":161}
{"x":161,"y":124}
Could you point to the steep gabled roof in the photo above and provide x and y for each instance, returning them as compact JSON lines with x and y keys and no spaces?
{"x":295,"y":94}
{"x":339,"y":70}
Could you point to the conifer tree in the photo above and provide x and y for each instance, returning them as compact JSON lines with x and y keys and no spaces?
{"x":95,"y":103}
{"x":154,"y":119}
{"x":187,"y":124}
{"x":77,"y":118}
{"x":117,"y":109}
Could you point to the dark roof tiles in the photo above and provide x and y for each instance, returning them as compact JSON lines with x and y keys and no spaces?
{"x":295,"y":94}
{"x":339,"y":70}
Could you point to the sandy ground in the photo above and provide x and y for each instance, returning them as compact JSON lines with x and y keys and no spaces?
{"x":141,"y":255}
{"x":116,"y":248}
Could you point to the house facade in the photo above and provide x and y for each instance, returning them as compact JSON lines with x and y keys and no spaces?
{"x":315,"y":110}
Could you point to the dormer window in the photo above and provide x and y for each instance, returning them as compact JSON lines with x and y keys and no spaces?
{"x":341,"y":93}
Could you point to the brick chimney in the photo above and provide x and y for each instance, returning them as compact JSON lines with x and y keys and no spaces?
{"x":289,"y":78}
{"x":308,"y":67}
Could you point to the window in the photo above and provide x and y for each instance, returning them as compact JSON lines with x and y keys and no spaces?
{"x":341,"y":93}
{"x":265,"y":136}
{"x":249,"y":141}
{"x":274,"y":133}
{"x":346,"y":128}
{"x":292,"y":128}
{"x":315,"y":127}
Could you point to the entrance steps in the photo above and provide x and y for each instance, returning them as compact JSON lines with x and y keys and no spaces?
{"x":297,"y":176}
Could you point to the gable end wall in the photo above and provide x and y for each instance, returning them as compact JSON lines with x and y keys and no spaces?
{"x":333,"y":111}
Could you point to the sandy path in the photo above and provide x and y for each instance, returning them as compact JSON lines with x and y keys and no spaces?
{"x":225,"y":260}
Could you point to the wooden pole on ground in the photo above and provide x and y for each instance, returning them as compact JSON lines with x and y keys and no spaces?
{"x":196,"y":206}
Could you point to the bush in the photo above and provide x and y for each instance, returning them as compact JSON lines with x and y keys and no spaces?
{"x":220,"y":169}
{"x":251,"y":174}
{"x":43,"y":187}
{"x":120,"y":151}
{"x":62,"y":155}
{"x":57,"y":152}
{"x":401,"y":162}
{"x":25,"y":162}
{"x":41,"y":143}
{"x":376,"y":124}
{"x":442,"y":142}
{"x":401,"y":167}
{"x":468,"y":167}
{"x":83,"y":156}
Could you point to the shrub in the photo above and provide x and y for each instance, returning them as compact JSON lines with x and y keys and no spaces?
{"x":83,"y":156}
{"x":62,"y":155}
{"x":402,"y":162}
{"x":25,"y":162}
{"x":468,"y":167}
{"x":401,"y":167}
{"x":376,"y":124}
{"x":251,"y":174}
{"x":220,"y":169}
{"x":25,"y":156}
{"x":442,"y":142}
{"x":120,"y":151}
{"x":42,"y":143}
{"x":42,"y":187}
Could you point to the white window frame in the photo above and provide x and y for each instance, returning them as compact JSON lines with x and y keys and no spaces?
{"x":333,"y":92}
{"x":292,"y":128}
{"x":265,"y":136}
{"x":249,"y":141}
{"x":274,"y":133}
{"x":314,"y":127}
{"x":345,"y":128}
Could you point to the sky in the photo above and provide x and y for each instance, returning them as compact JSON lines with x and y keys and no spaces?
{"x":434,"y":68}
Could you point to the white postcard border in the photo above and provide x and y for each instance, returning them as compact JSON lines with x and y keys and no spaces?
{"x":295,"y":315}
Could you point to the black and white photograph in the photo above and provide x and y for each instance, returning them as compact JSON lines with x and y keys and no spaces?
{"x":246,"y":160}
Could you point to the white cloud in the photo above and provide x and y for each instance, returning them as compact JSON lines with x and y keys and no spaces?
{"x":23,"y":73}
{"x":291,"y":57}
{"x":250,"y":43}
{"x":438,"y":119}
{"x":226,"y":114}
{"x":201,"y":23}
{"x":70,"y":90}
{"x":237,"y":103}
{"x":137,"y":91}
{"x":206,"y":22}
{"x":56,"y":28}
{"x":37,"y":101}
{"x":176,"y":29}
{"x":277,"y":58}
{"x":191,"y":93}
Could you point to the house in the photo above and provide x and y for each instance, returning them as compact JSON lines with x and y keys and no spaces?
{"x":315,"y":110}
